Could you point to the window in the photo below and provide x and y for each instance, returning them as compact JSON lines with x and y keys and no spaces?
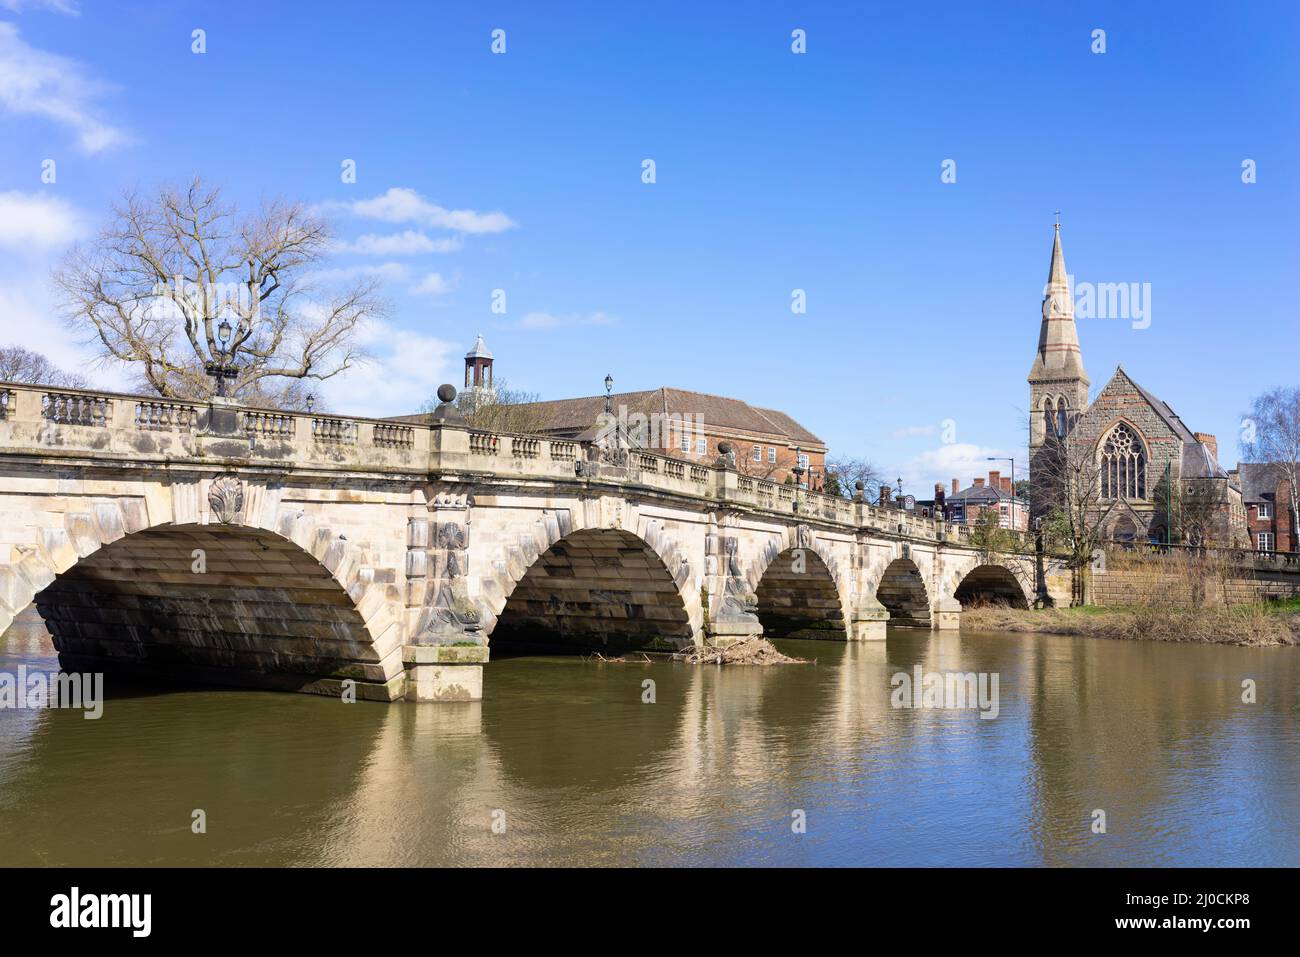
{"x":1264,"y":510}
{"x":758,"y":453}
{"x":803,"y":461}
{"x":1265,"y":541}
{"x":771,"y":455}
{"x":686,"y":441}
{"x":1061,"y":420}
{"x":701,"y":446}
{"x":1123,"y":465}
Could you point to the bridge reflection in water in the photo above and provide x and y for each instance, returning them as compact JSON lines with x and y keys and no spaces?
{"x":579,"y":770}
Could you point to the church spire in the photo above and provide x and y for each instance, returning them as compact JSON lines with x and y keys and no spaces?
{"x":1058,"y":354}
{"x":1058,"y":384}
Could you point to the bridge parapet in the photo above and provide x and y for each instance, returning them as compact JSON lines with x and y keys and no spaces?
{"x":46,"y":421}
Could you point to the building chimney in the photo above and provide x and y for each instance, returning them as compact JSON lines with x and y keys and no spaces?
{"x":956,"y":486}
{"x":995,"y":480}
{"x":979,"y":483}
{"x":1006,"y":486}
{"x":885,"y":494}
{"x":1210,"y":442}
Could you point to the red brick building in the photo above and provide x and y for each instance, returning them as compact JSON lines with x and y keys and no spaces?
{"x":1266,"y":495}
{"x":688,"y":425}
{"x":967,"y":505}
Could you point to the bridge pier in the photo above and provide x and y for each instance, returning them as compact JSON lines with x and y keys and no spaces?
{"x":946,"y":615}
{"x":869,"y":622}
{"x":444,"y":672}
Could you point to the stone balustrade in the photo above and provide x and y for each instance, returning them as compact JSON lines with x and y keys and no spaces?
{"x":79,"y":423}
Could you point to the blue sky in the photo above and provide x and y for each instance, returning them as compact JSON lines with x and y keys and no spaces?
{"x":775,"y":172}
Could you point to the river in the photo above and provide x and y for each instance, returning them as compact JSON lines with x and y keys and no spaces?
{"x":563,"y":763}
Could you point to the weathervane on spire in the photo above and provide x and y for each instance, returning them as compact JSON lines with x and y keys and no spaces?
{"x":1058,"y":219}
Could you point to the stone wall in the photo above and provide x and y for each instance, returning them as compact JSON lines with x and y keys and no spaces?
{"x":1172,"y":584}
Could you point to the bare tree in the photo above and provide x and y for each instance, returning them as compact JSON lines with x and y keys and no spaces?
{"x":1067,"y":495}
{"x":509,"y":410}
{"x":23,"y":365}
{"x":1271,"y":433}
{"x":747,"y":465}
{"x":1197,"y":511}
{"x":843,"y":474}
{"x":179,"y":285}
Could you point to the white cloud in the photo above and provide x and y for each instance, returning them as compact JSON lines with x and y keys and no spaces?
{"x":70,"y":7}
{"x":36,"y":83}
{"x":548,"y":320}
{"x":393,"y":272}
{"x":913,"y":431}
{"x":403,"y":205}
{"x":432,"y":284}
{"x":405,"y":370}
{"x":957,"y":460}
{"x":38,"y":221}
{"x":407,"y":243}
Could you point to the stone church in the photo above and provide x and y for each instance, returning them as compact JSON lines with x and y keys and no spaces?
{"x":1143,"y":474}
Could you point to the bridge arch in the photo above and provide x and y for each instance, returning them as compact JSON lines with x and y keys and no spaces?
{"x":798,"y":590}
{"x":993,"y":583}
{"x":592,"y":588}
{"x":269,"y":598}
{"x":903,"y":593}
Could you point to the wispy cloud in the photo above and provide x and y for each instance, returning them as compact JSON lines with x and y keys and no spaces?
{"x":433,"y":284}
{"x":71,"y":7}
{"x":389,"y":272}
{"x":36,"y":83}
{"x":549,"y":320}
{"x":959,"y":460}
{"x":406,"y":243}
{"x":38,"y":221}
{"x":404,"y":370}
{"x":912,"y":431}
{"x":403,"y":205}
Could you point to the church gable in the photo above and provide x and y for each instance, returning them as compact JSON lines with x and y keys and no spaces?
{"x":1123,"y":400}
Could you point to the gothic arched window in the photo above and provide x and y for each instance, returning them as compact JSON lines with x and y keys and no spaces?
{"x":1062,"y":422}
{"x":1049,"y":418}
{"x":1123,"y":465}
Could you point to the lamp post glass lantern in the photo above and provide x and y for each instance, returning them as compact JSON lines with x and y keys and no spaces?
{"x":222,"y":368}
{"x":609,"y":395}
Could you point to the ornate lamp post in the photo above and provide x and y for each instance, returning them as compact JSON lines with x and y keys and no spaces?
{"x":797,"y":472}
{"x":609,"y":395}
{"x":1015,"y":524}
{"x":223,"y":368}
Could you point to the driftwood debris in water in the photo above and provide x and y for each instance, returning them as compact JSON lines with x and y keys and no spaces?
{"x":747,"y":651}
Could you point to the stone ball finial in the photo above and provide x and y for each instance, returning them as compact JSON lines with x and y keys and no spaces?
{"x":446,"y":392}
{"x":726,"y":448}
{"x":860,"y":485}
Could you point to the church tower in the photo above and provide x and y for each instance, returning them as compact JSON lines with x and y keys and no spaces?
{"x":1058,"y":384}
{"x":478,"y":377}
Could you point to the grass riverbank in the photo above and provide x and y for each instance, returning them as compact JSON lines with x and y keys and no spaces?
{"x":1271,"y":624}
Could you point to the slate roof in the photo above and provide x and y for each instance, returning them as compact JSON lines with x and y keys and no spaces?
{"x":717,"y":412}
{"x":1259,"y":480}
{"x":980,"y":495}
{"x":1197,"y":459}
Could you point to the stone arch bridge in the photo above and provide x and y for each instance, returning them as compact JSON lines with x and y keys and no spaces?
{"x":218,"y":543}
